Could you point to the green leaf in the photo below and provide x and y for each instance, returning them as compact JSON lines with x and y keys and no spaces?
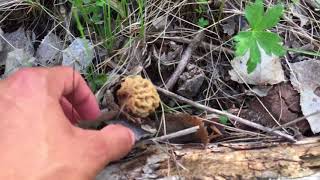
{"x":254,"y":13}
{"x":100,"y":3}
{"x":223,"y":119}
{"x":255,"y":56}
{"x":202,"y":22}
{"x":257,"y":38}
{"x":271,"y":17}
{"x":100,"y":79}
{"x":270,"y":42}
{"x":243,"y":39}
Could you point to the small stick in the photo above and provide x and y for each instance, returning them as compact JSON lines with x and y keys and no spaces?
{"x":184,"y":60}
{"x":176,"y":134}
{"x":204,"y":45}
{"x":231,"y":116}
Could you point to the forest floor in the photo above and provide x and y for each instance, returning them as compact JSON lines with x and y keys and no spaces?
{"x":231,"y":74}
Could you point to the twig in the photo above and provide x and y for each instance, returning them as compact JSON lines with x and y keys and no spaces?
{"x":202,"y":44}
{"x":176,"y":134}
{"x":184,"y":60}
{"x":231,"y":116}
{"x":295,"y":121}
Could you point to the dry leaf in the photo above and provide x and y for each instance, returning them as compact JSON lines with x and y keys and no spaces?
{"x":181,"y":121}
{"x":268,"y":72}
{"x":305,"y":79}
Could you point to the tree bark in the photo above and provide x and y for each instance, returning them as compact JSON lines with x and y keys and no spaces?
{"x":221,"y":161}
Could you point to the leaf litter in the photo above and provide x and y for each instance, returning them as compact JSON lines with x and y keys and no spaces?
{"x":305,"y":79}
{"x":268,"y":72}
{"x":217,"y":81}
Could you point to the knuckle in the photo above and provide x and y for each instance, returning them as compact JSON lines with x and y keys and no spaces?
{"x":23,"y":72}
{"x":67,"y":70}
{"x":26,"y":81}
{"x":24,"y":76}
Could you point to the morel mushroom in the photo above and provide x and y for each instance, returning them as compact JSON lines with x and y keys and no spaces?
{"x":138,"y":96}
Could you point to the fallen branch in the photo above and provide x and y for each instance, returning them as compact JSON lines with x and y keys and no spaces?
{"x":184,"y":60}
{"x":205,"y":45}
{"x":231,"y":116}
{"x":176,"y":134}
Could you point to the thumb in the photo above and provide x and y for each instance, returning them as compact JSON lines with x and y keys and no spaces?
{"x":118,"y":139}
{"x":111,"y":143}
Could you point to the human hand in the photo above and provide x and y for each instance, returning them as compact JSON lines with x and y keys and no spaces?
{"x":37,"y":137}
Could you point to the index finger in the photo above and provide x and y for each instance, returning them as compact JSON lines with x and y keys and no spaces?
{"x":65,"y":82}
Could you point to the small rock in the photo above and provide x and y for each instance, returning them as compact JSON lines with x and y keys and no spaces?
{"x":17,"y":59}
{"x":190,"y":81}
{"x":20,"y":39}
{"x":16,"y":40}
{"x":175,"y":52}
{"x":50,"y":50}
{"x":229,"y":27}
{"x":78,"y":55}
{"x":161,"y":22}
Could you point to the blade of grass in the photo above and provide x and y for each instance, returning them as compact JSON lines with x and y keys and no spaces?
{"x":304,"y":52}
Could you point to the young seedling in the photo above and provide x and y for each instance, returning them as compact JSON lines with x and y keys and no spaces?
{"x":223,"y":120}
{"x":257,"y":37}
{"x":202,"y":22}
{"x":201,"y":8}
{"x":95,"y":80}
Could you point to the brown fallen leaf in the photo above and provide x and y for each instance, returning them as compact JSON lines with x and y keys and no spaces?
{"x":178,"y":121}
{"x":282,"y":102}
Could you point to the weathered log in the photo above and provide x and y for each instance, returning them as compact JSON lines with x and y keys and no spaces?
{"x":222,"y":161}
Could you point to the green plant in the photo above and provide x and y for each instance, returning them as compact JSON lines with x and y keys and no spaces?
{"x":223,"y":119}
{"x":141,"y":5}
{"x":202,"y":22}
{"x":257,"y":37}
{"x":106,"y":17}
{"x":97,"y":14}
{"x":201,"y":6}
{"x":200,"y":9}
{"x":95,"y":80}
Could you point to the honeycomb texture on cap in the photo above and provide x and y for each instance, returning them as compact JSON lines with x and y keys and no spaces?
{"x":138,"y":96}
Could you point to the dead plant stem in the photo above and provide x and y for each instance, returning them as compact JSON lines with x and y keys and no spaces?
{"x":184,"y":60}
{"x":231,"y":116}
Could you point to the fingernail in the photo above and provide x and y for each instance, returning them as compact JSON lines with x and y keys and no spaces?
{"x":132,"y":136}
{"x":131,"y":132}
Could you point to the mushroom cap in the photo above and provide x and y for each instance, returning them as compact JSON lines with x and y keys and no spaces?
{"x":138,"y":96}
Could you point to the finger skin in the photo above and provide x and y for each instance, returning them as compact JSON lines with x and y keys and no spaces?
{"x":37,"y":138}
{"x":109,"y":144}
{"x":120,"y":138}
{"x":69,"y":111}
{"x":72,"y":86}
{"x":61,"y":82}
